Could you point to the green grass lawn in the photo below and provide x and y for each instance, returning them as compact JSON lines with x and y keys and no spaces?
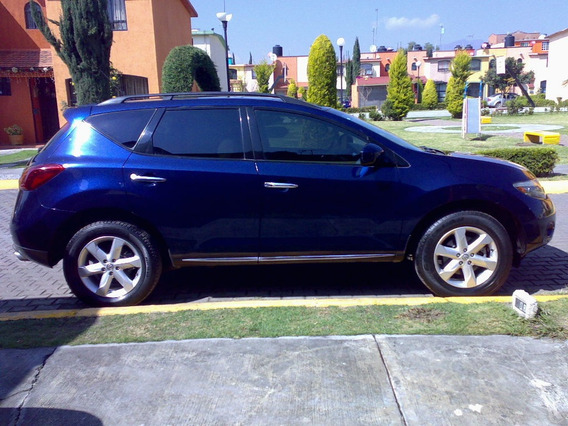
{"x":443,"y":318}
{"x":24,"y":154}
{"x":454,"y":141}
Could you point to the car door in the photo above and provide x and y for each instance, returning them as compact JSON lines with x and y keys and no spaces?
{"x":319,"y":202}
{"x":195,"y":185}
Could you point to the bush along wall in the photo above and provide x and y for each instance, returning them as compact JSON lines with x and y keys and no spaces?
{"x":540,"y":161}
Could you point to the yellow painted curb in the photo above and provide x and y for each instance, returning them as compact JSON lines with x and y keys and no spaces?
{"x":251,"y":304}
{"x":8,"y":184}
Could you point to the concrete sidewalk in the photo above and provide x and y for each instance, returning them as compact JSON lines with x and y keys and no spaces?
{"x":399,"y":380}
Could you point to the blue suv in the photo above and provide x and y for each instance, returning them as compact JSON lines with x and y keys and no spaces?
{"x":138,"y":184}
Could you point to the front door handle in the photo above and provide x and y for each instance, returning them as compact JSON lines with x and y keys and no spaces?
{"x":278,"y":185}
{"x":146,"y":179}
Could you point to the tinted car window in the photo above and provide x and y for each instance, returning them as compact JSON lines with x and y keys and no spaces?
{"x":123,"y":127}
{"x":289,"y":136}
{"x":214,"y":133}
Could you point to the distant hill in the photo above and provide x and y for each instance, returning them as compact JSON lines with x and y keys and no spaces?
{"x":450,"y":45}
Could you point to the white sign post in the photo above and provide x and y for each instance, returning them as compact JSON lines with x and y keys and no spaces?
{"x":471,"y":117}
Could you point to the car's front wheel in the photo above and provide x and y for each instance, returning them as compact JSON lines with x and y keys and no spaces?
{"x":464,"y":254}
{"x":112,"y":263}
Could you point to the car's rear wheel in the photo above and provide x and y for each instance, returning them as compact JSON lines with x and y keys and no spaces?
{"x":112,"y":263}
{"x":464,"y":254}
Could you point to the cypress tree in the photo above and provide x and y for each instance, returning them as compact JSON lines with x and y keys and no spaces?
{"x":430,"y":95}
{"x":86,"y":39}
{"x":460,"y":69}
{"x":400,"y":95}
{"x":322,"y":73}
{"x":356,"y":65}
{"x":349,"y":77}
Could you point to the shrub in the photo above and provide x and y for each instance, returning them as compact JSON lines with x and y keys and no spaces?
{"x":185,"y":65}
{"x":292,"y":89}
{"x":540,"y":161}
{"x":375,"y":115}
{"x":263,"y":73}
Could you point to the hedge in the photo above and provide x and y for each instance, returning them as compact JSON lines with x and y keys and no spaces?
{"x":540,"y":161}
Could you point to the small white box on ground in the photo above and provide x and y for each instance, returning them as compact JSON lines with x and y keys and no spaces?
{"x":525,"y":304}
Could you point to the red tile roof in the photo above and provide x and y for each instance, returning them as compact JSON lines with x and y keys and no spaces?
{"x":26,"y":58}
{"x":373,"y":81}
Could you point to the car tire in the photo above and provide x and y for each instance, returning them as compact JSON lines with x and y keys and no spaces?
{"x":112,"y":263}
{"x":464,"y":254}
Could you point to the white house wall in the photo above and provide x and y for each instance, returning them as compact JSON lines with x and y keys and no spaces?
{"x":557,"y":70}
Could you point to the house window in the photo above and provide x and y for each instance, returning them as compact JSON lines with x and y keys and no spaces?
{"x":441,"y":89}
{"x":71,"y":94}
{"x":30,"y":21}
{"x":444,"y":66}
{"x":367,"y":69}
{"x":545,"y":45}
{"x":387,"y":67}
{"x":117,"y":15}
{"x":414,"y":67}
{"x":475,"y":65}
{"x":5,"y":87}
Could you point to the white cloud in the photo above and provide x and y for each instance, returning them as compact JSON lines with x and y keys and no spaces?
{"x":396,"y":23}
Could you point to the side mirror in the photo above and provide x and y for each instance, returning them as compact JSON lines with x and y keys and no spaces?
{"x":370,"y":155}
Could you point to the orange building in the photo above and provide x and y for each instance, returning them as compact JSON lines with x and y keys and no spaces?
{"x":27,"y":90}
{"x":144,"y":32}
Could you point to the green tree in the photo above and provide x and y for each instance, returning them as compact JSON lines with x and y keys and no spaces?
{"x":513,"y":75}
{"x":349,"y":78}
{"x":185,"y":65}
{"x":460,"y":69}
{"x":430,"y":95}
{"x":400,"y":95}
{"x":84,"y":46}
{"x":292,"y":89}
{"x":263,"y":72}
{"x":356,"y":63}
{"x":303,"y":92}
{"x":322,"y":73}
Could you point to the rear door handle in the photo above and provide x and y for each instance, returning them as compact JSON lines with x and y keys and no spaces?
{"x":146,"y":179}
{"x":278,"y":185}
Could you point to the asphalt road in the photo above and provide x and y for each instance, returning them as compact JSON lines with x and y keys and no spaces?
{"x":25,"y":286}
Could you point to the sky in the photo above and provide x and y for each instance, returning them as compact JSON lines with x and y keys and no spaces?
{"x":258,"y":25}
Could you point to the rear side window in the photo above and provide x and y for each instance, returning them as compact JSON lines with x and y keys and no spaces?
{"x":123,"y":127}
{"x":210,"y":133}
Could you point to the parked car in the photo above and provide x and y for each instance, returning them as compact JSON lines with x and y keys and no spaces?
{"x":138,"y":184}
{"x":500,"y":99}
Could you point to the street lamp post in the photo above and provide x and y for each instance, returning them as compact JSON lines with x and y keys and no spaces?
{"x":341,"y":43}
{"x":225,"y":18}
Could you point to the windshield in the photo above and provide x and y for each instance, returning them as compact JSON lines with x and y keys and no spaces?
{"x":377,"y":130}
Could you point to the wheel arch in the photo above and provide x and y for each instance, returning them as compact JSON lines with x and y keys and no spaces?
{"x":84,"y":218}
{"x":502,"y":215}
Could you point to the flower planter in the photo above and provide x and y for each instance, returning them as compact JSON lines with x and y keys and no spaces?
{"x":16,"y":139}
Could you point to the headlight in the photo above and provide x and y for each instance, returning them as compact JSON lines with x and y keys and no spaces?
{"x":532,"y":188}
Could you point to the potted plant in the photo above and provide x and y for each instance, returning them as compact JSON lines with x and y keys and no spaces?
{"x":15,"y":134}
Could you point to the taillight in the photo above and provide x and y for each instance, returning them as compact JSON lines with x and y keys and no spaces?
{"x":35,"y":176}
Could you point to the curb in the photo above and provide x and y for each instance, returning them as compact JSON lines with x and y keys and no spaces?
{"x":255,"y":304}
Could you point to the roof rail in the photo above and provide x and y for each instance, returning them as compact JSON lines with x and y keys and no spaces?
{"x":188,"y":95}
